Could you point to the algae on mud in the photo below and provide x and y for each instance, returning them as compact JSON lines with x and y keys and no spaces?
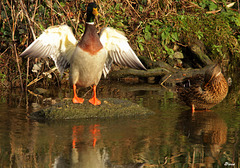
{"x":110,"y":107}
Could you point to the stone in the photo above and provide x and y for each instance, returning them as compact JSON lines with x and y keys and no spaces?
{"x":110,"y":107}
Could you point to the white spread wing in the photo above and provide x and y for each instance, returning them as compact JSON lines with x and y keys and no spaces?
{"x":57,"y":42}
{"x":119,"y":51}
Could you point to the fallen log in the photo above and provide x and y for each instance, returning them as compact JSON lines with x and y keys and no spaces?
{"x":139,"y":73}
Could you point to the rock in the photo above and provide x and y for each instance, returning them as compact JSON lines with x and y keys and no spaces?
{"x":171,"y":61}
{"x":198,"y":52}
{"x":175,"y":59}
{"x":177,"y":55}
{"x":200,"y":55}
{"x":110,"y":107}
{"x":151,"y":80}
{"x":176,"y":47}
{"x":40,"y":91}
{"x":131,"y":80}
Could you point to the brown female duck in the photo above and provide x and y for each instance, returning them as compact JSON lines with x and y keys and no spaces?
{"x":89,"y":58}
{"x":203,"y":91}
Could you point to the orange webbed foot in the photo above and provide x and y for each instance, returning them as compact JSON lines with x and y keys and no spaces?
{"x":200,"y":110}
{"x":94,"y":101}
{"x":77,"y":100}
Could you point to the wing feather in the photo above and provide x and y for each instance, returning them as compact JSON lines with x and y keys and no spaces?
{"x":56,"y":42}
{"x":119,"y":50}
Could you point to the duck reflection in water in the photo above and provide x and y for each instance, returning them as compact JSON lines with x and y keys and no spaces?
{"x":88,"y":150}
{"x":84,"y":152}
{"x":207,"y":132}
{"x":79,"y":130}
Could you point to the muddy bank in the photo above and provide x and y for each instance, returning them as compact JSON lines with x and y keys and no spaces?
{"x":110,"y":107}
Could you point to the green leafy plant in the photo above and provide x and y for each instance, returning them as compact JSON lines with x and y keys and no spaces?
{"x":153,"y":28}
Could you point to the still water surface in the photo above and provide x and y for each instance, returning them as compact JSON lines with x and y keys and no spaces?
{"x":172,"y":137}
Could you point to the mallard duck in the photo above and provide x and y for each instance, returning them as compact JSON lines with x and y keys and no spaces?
{"x":203,"y":91}
{"x":89,"y":58}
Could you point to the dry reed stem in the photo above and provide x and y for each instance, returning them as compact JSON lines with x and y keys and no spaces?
{"x":4,"y":52}
{"x":31,"y":28}
{"x":34,"y":94}
{"x":67,"y":15}
{"x":13,"y":29}
{"x":28,"y":18}
{"x":165,"y":80}
{"x":41,"y":76}
{"x":134,"y":9}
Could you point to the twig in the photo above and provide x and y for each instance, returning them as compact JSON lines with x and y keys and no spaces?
{"x":66,"y":15}
{"x":18,"y":65}
{"x":53,"y":73}
{"x":51,"y":12}
{"x":238,"y":6}
{"x":28,"y":18}
{"x":134,"y":9}
{"x":150,"y":55}
{"x":4,"y":52}
{"x":30,"y":21}
{"x":85,"y":94}
{"x":165,"y":80}
{"x":35,"y":10}
{"x":34,"y":94}
{"x":4,"y":8}
{"x":41,"y":76}
{"x":27,"y":71}
{"x":14,"y":25}
{"x":213,"y":12}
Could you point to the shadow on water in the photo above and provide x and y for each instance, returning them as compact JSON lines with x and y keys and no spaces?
{"x":172,"y":137}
